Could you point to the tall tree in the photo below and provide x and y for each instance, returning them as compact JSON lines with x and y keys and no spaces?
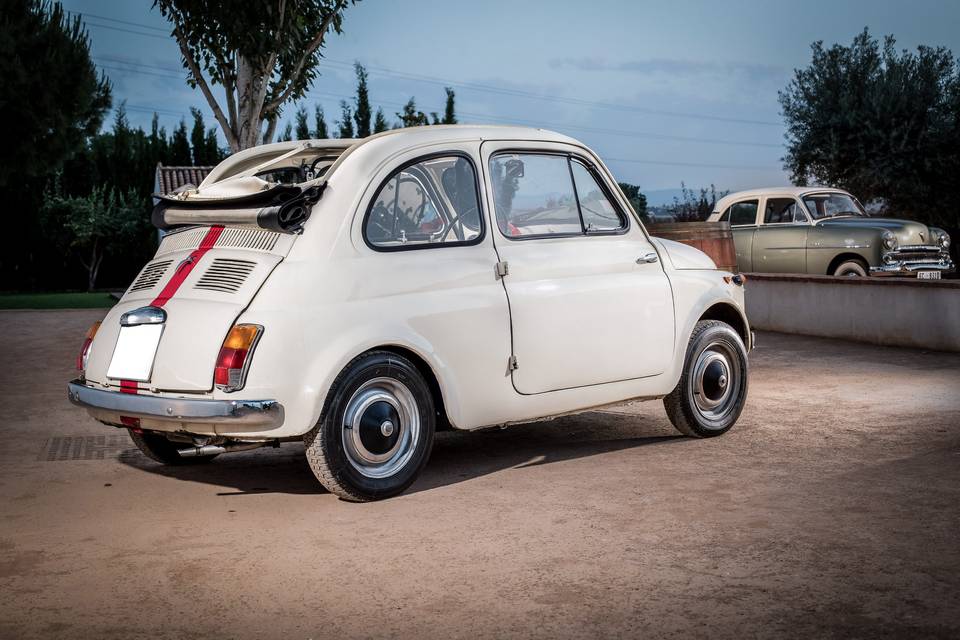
{"x":636,"y":198}
{"x":302,"y":130}
{"x":320,"y":131}
{"x":345,"y":123}
{"x":206,"y":150}
{"x":52,"y":98}
{"x":265,"y":53}
{"x":411,"y":117}
{"x":287,"y":134}
{"x":449,"y":112}
{"x":180,"y":154}
{"x":361,"y":110}
{"x":380,"y":123}
{"x":879,"y":123}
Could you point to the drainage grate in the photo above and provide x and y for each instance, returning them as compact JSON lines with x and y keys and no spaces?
{"x":103,"y":447}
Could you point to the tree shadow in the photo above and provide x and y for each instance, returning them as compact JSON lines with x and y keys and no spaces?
{"x":458,"y":456}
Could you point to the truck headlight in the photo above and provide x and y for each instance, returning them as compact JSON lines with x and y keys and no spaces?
{"x":944,"y":241}
{"x":889,"y":240}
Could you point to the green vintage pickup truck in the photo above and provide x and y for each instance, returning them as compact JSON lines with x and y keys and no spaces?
{"x":827,"y":232}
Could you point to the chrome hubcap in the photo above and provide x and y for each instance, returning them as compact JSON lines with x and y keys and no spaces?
{"x":715,"y":381}
{"x":381,"y":427}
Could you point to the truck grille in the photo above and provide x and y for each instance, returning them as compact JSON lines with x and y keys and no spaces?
{"x":226,"y":275}
{"x":915,"y":252}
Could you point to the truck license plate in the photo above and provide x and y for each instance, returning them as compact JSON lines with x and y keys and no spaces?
{"x":928,"y":275}
{"x":133,"y":356}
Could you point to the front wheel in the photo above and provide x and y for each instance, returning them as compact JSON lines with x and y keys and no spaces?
{"x":376,"y":431}
{"x":851,"y":269}
{"x":712,"y":389}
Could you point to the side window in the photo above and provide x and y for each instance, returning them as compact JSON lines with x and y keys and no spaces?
{"x":430,"y":202}
{"x":598,"y":214}
{"x":533,"y":195}
{"x":743,"y":213}
{"x":726,"y":216}
{"x":783,"y":211}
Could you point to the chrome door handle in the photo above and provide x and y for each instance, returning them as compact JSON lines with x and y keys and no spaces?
{"x":647,"y":258}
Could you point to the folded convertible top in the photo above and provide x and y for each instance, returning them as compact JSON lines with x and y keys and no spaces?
{"x":283,"y":208}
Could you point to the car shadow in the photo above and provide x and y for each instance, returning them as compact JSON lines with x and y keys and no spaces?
{"x":457,"y":456}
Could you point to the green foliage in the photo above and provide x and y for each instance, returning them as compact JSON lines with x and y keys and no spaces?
{"x":693,"y":206}
{"x":265,"y":54}
{"x":380,"y":123}
{"x":302,"y":129}
{"x":449,"y":113}
{"x":321,"y":124}
{"x":361,"y":110}
{"x":411,"y":117}
{"x":637,"y":200}
{"x":879,"y":123}
{"x":95,"y":222}
{"x":206,"y":151}
{"x":52,"y":98}
{"x":57,"y":301}
{"x":287,"y":134}
{"x":345,"y":123}
{"x":180,"y":154}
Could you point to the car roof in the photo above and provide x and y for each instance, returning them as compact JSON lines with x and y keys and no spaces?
{"x":386,"y":143}
{"x":797,"y":192}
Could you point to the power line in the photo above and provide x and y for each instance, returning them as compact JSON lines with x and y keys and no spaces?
{"x":383,"y":71}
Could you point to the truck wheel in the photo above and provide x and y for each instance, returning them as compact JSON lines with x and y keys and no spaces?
{"x":376,"y":431}
{"x":156,"y":447}
{"x":851,"y":269}
{"x":712,"y":389}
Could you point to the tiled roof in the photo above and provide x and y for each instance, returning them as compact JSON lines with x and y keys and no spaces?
{"x":169,"y":179}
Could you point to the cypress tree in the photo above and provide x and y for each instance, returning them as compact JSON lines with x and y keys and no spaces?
{"x":361,"y":114}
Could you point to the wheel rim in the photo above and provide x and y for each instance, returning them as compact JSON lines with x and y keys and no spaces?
{"x":381,"y":427}
{"x":716,"y":381}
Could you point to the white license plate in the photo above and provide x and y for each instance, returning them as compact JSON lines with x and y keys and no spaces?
{"x":133,"y":356}
{"x":928,"y":275}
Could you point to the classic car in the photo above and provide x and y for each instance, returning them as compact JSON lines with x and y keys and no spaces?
{"x":827,"y":232}
{"x":429,"y":278}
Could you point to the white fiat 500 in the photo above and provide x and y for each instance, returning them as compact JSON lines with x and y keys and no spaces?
{"x":359,"y":295}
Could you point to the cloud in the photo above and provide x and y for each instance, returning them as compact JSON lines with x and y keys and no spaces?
{"x":674,"y":67}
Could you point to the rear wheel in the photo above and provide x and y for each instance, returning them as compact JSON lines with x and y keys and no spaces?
{"x":376,"y":431}
{"x":156,"y":447}
{"x":712,"y":389}
{"x":851,"y":269}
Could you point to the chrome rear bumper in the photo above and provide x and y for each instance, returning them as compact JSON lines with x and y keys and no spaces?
{"x":246,"y":413}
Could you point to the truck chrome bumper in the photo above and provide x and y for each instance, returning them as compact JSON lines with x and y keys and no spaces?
{"x":247,"y":413}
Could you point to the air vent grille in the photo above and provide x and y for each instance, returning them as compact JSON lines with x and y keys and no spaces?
{"x":226,"y":275}
{"x":150,"y":275}
{"x":230,"y":237}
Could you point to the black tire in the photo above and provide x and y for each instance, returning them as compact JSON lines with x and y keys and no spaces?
{"x":156,"y":447}
{"x":851,"y":269}
{"x":715,"y":370}
{"x":377,"y":388}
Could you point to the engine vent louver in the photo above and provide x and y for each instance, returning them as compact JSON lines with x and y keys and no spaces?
{"x":226,"y":275}
{"x":150,"y":275}
{"x":231,"y":237}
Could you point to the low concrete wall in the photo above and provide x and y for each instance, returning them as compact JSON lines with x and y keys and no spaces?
{"x":899,"y":312}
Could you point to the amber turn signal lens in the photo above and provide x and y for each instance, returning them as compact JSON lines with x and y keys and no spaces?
{"x":233,"y":359}
{"x":85,"y":349}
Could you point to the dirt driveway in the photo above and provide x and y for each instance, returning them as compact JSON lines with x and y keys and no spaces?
{"x":831,"y":510}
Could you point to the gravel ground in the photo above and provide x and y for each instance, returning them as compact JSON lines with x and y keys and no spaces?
{"x":830,"y":510}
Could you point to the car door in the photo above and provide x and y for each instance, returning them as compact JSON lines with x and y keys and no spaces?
{"x":589,"y":300}
{"x":780,"y":241}
{"x":742,"y":217}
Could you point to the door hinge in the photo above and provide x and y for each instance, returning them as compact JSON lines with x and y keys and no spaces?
{"x":503,"y":268}
{"x":512,"y":364}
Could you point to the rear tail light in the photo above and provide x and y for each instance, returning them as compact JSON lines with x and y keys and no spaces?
{"x":233,"y":361}
{"x":85,"y":349}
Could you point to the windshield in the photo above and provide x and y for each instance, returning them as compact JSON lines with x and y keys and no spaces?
{"x":831,"y":205}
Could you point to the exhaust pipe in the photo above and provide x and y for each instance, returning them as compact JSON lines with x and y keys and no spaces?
{"x":217,"y":449}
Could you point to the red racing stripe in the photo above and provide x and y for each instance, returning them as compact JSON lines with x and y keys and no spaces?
{"x":129,"y":386}
{"x":185,"y":267}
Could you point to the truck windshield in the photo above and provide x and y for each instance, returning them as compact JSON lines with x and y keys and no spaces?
{"x":831,"y":205}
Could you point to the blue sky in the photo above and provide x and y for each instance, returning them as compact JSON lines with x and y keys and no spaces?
{"x":664,"y":91}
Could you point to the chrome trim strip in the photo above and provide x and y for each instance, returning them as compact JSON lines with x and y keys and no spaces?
{"x":143,"y":315}
{"x":256,"y":413}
